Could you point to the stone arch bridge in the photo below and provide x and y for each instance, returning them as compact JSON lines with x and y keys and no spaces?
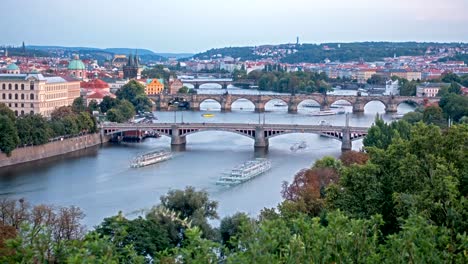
{"x":163,"y":101}
{"x":199,"y":82}
{"x":261,"y":133}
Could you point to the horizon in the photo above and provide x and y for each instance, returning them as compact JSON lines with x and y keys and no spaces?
{"x":267,"y":44}
{"x":188,"y":27}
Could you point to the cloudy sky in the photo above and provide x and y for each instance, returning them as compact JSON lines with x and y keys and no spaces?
{"x":194,"y":26}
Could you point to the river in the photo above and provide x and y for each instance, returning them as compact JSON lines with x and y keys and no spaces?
{"x":99,"y":180}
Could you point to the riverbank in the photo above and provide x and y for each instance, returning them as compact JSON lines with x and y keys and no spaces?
{"x":33,"y":153}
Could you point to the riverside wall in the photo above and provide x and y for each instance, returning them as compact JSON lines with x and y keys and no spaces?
{"x":56,"y":148}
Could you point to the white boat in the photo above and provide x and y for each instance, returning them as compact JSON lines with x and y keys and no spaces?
{"x":397,"y":116}
{"x":323,"y":113}
{"x":324,"y":123}
{"x":150,"y":158}
{"x":280,"y":104}
{"x":245,"y":172}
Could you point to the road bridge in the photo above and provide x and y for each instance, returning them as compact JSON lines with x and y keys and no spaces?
{"x":260,"y":133}
{"x":163,"y":101}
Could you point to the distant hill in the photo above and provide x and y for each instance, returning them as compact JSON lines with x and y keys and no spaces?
{"x":127,"y":51}
{"x":313,"y":53}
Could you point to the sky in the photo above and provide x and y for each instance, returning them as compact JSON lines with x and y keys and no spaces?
{"x":195,"y":26}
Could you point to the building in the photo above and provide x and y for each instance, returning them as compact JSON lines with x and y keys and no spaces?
{"x":154,"y":86}
{"x":36,"y":94}
{"x":363,"y":75}
{"x":132,"y":70}
{"x":96,"y":90}
{"x":174,"y":86}
{"x":76,"y":68}
{"x":428,"y":89}
{"x":119,"y":61}
{"x":392,"y":88}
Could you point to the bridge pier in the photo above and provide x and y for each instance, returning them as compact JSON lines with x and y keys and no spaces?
{"x":226,"y":108}
{"x":358,"y":107}
{"x":225,"y":85}
{"x":260,"y":140}
{"x":176,"y":138}
{"x":195,"y":106}
{"x":292,"y":108}
{"x":391,"y":108}
{"x":324,"y":106}
{"x":346,"y":143}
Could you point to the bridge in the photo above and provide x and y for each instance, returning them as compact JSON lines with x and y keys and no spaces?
{"x":163,"y":101}
{"x":198,"y":82}
{"x":260,"y":133}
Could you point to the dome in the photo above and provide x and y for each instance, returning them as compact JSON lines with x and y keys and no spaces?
{"x":12,"y":67}
{"x":76,"y":64}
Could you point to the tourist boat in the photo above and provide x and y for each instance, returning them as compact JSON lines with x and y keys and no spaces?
{"x":397,"y":116}
{"x":150,"y":158}
{"x":324,"y":123}
{"x":280,"y":104}
{"x":245,"y":172}
{"x":208,"y":115}
{"x":298,"y":146}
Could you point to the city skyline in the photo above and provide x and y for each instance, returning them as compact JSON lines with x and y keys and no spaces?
{"x":195,"y":27}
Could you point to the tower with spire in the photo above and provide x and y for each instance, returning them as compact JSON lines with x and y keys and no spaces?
{"x":132,"y":70}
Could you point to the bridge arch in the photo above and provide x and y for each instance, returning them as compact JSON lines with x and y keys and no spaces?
{"x":164,"y":131}
{"x":306,"y":103}
{"x":378,"y":109}
{"x":243,"y":104}
{"x":276,"y":105}
{"x":210,"y":104}
{"x":341,"y":103}
{"x":210,"y":85}
{"x":243,"y":132}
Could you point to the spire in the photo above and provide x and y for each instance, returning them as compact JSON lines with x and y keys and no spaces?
{"x":130,"y":60}
{"x":137,"y":64}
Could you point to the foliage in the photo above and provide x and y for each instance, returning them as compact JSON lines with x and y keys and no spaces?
{"x":107,"y":103}
{"x":413,"y":117}
{"x":231,"y":226}
{"x":291,"y":82}
{"x":195,"y":206}
{"x":454,"y":106}
{"x":377,"y":79}
{"x":351,"y":157}
{"x":134,"y":92}
{"x":33,"y":129}
{"x":156,"y":72}
{"x":184,"y":90}
{"x":6,"y":111}
{"x":433,"y":115}
{"x":9,"y":135}
{"x":78,"y":105}
{"x":381,"y":134}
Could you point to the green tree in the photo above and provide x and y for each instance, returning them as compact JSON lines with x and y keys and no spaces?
{"x":184,"y":90}
{"x":454,"y":106}
{"x":231,"y":226}
{"x":33,"y":130}
{"x":61,"y":112}
{"x":6,"y":111}
{"x":134,"y":92}
{"x":9,"y":139}
{"x":115,"y":115}
{"x":376,"y":79}
{"x":433,"y":115}
{"x":413,"y":117}
{"x":107,"y":103}
{"x":194,"y":206}
{"x":93,"y":106}
{"x":79,"y":105}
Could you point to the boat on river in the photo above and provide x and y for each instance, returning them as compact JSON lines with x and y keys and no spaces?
{"x":150,"y":158}
{"x":208,"y":115}
{"x":280,"y":104}
{"x":298,"y":146}
{"x":245,"y":172}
